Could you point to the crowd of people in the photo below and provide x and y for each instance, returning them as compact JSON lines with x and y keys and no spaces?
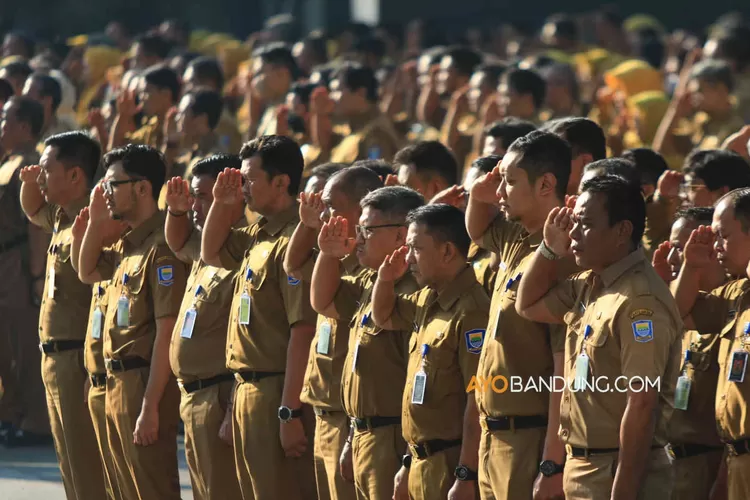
{"x":348,"y":266}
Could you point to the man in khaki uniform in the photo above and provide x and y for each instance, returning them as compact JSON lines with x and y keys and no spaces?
{"x":622,"y":347}
{"x":52,"y":194}
{"x":449,"y":316}
{"x":271,"y":323}
{"x":322,"y":387}
{"x":23,"y":413}
{"x":724,"y":311}
{"x":199,"y":337}
{"x":518,"y":428}
{"x":143,"y":300}
{"x":374,"y":371}
{"x":427,"y":167}
{"x":46,"y":91}
{"x":274,"y":72}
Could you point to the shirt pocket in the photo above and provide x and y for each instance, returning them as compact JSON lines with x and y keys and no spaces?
{"x":727,"y":341}
{"x":136,"y":279}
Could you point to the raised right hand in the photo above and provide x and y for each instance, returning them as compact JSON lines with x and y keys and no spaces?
{"x":30,"y":174}
{"x":126,"y":105}
{"x":334,"y":239}
{"x":394,"y":266}
{"x":484,"y":189}
{"x":311,"y":208}
{"x":98,"y":211}
{"x":660,"y":264}
{"x":454,"y":196}
{"x":178,"y":195}
{"x":699,"y":250}
{"x":668,"y":185}
{"x":228,"y":187}
{"x":557,"y":230}
{"x":320,"y":102}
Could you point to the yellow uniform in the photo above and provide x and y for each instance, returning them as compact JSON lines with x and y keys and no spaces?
{"x":151,"y":133}
{"x":268,"y":122}
{"x":481,"y":262}
{"x":372,"y":137}
{"x":659,"y":218}
{"x":184,"y":164}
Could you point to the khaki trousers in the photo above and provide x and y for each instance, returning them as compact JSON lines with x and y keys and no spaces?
{"x":738,"y":477}
{"x":695,"y":476}
{"x":331,"y":433}
{"x":377,"y":458}
{"x":433,"y":476}
{"x":98,"y":411}
{"x":509,"y":463}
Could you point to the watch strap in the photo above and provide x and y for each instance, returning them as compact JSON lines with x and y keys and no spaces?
{"x":547,"y":253}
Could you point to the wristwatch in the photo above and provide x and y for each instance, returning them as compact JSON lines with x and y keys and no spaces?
{"x":463,"y":473}
{"x":547,"y":253}
{"x":286,"y":414}
{"x":548,"y":468}
{"x":406,"y":461}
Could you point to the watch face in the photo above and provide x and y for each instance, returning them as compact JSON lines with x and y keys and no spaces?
{"x":548,"y":468}
{"x":284,"y":413}
{"x":462,"y":472}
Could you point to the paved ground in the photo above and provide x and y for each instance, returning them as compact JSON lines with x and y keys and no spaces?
{"x":33,"y":474}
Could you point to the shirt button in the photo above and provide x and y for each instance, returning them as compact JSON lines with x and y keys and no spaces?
{"x":564,"y":433}
{"x":567,"y":399}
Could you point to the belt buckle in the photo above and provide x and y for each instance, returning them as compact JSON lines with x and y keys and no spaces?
{"x":182,"y":387}
{"x":670,"y":451}
{"x":319,"y":412}
{"x":108,"y":364}
{"x":732,"y":450}
{"x":569,"y":450}
{"x":239,"y":378}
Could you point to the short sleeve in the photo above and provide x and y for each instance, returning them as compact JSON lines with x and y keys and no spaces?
{"x":495,"y":235}
{"x":307,"y":268}
{"x":233,"y":251}
{"x":295,"y":294}
{"x":405,"y":311}
{"x":191,"y":250}
{"x":659,"y":215}
{"x":106,"y":264}
{"x":347,"y":296}
{"x":561,"y":299}
{"x":470,"y":327}
{"x":710,"y":311}
{"x":557,"y":338}
{"x":45,"y":217}
{"x":167,"y":279}
{"x":376,"y":145}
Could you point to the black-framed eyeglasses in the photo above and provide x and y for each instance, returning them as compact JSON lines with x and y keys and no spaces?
{"x":110,"y":185}
{"x":366,"y":231}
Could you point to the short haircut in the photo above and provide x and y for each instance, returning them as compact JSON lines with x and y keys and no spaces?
{"x":492,"y":72}
{"x":394,"y":202}
{"x":318,"y":45}
{"x":30,"y":112}
{"x":565,"y":26}
{"x":509,"y":129}
{"x":208,"y":68}
{"x":583,"y":135}
{"x":355,"y":182}
{"x":739,"y":201}
{"x":6,"y":90}
{"x":486,"y":163}
{"x":616,"y":166}
{"x":163,"y":78}
{"x":380,"y":167}
{"x":18,"y":69}
{"x":649,"y":164}
{"x":622,"y":200}
{"x":181,"y":26}
{"x":714,"y":72}
{"x":77,"y":148}
{"x":27,"y":41}
{"x":562,"y":74}
{"x":326,"y":170}
{"x":699,"y":215}
{"x":429,"y":158}
{"x":207,"y":102}
{"x":734,"y":45}
{"x":154,"y":45}
{"x":303,"y":90}
{"x":371,"y":45}
{"x":444,"y":223}
{"x":464,"y":59}
{"x":527,"y":82}
{"x":215,"y":164}
{"x":279,"y":54}
{"x":720,"y":169}
{"x":142,"y":162}
{"x":434,"y":54}
{"x":355,"y":76}
{"x":279,"y":155}
{"x":49,"y":87}
{"x":541,"y":153}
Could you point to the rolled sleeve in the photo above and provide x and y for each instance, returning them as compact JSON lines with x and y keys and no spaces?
{"x":295,"y":293}
{"x":106,"y":264}
{"x":347,"y":296}
{"x":45,"y":217}
{"x":191,"y":250}
{"x":493,"y":238}
{"x":233,"y":251}
{"x":167,"y":279}
{"x":710,"y":311}
{"x":646,"y":332}
{"x":562,"y":297}
{"x":405,"y":311}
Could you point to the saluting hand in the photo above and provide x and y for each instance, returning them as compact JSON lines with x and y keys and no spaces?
{"x":454,"y":196}
{"x":228,"y":187}
{"x":293,"y":438}
{"x":171,"y":132}
{"x":391,"y":180}
{"x":178,"y":195}
{"x":311,"y":209}
{"x":98,"y":211}
{"x":334,"y":239}
{"x":320,"y":102}
{"x":146,"y":427}
{"x":699,"y":250}
{"x":394,"y":266}
{"x":484,"y":189}
{"x":557,"y":230}
{"x":659,"y":261}
{"x":30,"y":174}
{"x":126,"y":105}
{"x":668,"y":185}
{"x":80,"y":223}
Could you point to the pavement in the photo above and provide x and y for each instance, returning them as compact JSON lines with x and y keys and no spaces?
{"x":33,"y":474}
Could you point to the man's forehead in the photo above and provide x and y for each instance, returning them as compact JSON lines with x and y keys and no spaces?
{"x":202,"y":182}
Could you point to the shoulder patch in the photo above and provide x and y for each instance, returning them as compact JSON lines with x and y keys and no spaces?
{"x":641,"y":312}
{"x":475,"y":340}
{"x":166,"y":275}
{"x":643,"y":330}
{"x":292,"y":281}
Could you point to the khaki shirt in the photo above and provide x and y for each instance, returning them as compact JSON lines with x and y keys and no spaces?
{"x":268,"y":123}
{"x":710,"y":133}
{"x":697,"y":424}
{"x":230,"y":139}
{"x":144,"y":271}
{"x":635,"y":331}
{"x":322,"y":386}
{"x":65,"y":300}
{"x":184,"y":164}
{"x":151,"y":134}
{"x":376,"y":139}
{"x":209,"y":292}
{"x":514,"y":346}
{"x":452,"y":324}
{"x":481,"y":261}
{"x":726,"y":311}
{"x":659,"y":219}
{"x":277,"y":301}
{"x":93,"y":349}
{"x":373,"y":383}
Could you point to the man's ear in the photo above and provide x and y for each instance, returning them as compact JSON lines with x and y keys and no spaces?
{"x":624,"y":231}
{"x":449,"y":251}
{"x":548,"y":184}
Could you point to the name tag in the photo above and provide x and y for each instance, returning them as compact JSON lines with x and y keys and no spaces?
{"x":682,"y":393}
{"x":420,"y":385}
{"x":51,"y":284}
{"x":123,"y":312}
{"x":738,"y":367}
{"x":188,"y":323}
{"x":324,"y":338}
{"x":244,"y":318}
{"x":582,"y":371}
{"x":96,"y":324}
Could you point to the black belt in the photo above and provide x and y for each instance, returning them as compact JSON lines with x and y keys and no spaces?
{"x":13,"y":242}
{"x":577,"y":452}
{"x":322,"y":412}
{"x":740,"y":447}
{"x":254,"y":376}
{"x":54,"y":346}
{"x":123,"y":365}
{"x":512,"y":423}
{"x":197,"y":385}
{"x":687,"y":450}
{"x":427,"y":448}
{"x":98,"y":379}
{"x":369,"y":423}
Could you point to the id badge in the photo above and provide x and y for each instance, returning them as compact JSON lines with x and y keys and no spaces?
{"x":123,"y":312}
{"x":51,"y":284}
{"x":738,"y":367}
{"x":188,"y":323}
{"x":682,"y":393}
{"x":355,"y":355}
{"x":582,"y":371}
{"x":244,"y":318}
{"x":420,"y":384}
{"x":324,"y":338}
{"x":96,"y":324}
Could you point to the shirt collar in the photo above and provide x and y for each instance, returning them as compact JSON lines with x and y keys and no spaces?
{"x":275,"y":223}
{"x":458,"y":286}
{"x":75,"y":206}
{"x":533,"y":240}
{"x":614,"y":271}
{"x":136,"y":237}
{"x":350,"y":263}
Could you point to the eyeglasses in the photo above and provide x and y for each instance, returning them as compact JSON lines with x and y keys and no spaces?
{"x":366,"y":231}
{"x":110,"y":185}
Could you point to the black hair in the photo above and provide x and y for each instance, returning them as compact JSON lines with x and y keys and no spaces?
{"x":565,"y":27}
{"x":566,"y":73}
{"x":279,"y":155}
{"x":485,"y":164}
{"x":355,"y":77}
{"x":444,"y":223}
{"x":207,"y":102}
{"x":650,"y":47}
{"x":429,"y":158}
{"x":700,"y":215}
{"x":215,"y":164}
{"x":49,"y":87}
{"x":355,"y":182}
{"x":720,"y":168}
{"x":734,"y":45}
{"x":714,"y":72}
{"x":371,"y":45}
{"x":492,"y":72}
{"x":279,"y":54}
{"x":30,"y":112}
{"x":620,"y":167}
{"x":583,"y":135}
{"x":163,"y":78}
{"x":18,"y":69}
{"x":6,"y":90}
{"x":154,"y":45}
{"x":541,"y":153}
{"x":464,"y":59}
{"x":208,"y":68}
{"x":27,"y":41}
{"x":182,"y":27}
{"x":394,"y":202}
{"x":435,"y":54}
{"x":380,"y":167}
{"x":739,"y":201}
{"x":623,"y":201}
{"x":77,"y":149}
{"x":509,"y":129}
{"x":649,"y":164}
{"x":318,"y":45}
{"x":303,"y":90}
{"x":326,"y":170}
{"x":527,"y":82}
{"x":142,"y":162}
